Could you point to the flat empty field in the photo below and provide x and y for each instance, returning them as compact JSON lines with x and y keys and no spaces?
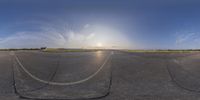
{"x":99,"y":75}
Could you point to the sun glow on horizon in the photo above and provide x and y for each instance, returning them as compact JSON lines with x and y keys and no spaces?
{"x":99,"y":44}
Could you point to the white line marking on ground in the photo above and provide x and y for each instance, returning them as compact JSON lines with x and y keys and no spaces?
{"x":58,"y":83}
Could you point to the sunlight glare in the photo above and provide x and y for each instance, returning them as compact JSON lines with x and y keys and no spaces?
{"x":99,"y":44}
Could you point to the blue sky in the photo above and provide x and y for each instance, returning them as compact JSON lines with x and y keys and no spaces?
{"x":134,"y":24}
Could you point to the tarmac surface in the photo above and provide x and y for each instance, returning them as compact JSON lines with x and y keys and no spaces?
{"x":82,"y":75}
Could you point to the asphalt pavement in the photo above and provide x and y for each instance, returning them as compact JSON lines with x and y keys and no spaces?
{"x":140,"y":76}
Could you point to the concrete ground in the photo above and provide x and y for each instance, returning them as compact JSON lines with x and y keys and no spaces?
{"x":139,"y":76}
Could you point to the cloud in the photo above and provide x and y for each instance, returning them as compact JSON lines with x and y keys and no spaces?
{"x":69,"y":38}
{"x":185,"y":38}
{"x":49,"y":39}
{"x":30,"y":40}
{"x":87,"y":26}
{"x":52,"y":37}
{"x":188,"y":40}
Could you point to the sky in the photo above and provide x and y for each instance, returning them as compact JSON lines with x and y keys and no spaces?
{"x":120,"y":24}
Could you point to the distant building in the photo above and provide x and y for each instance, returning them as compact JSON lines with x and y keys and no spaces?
{"x":43,"y":48}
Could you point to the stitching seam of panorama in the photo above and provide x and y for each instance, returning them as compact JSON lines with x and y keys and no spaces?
{"x":57,"y":83}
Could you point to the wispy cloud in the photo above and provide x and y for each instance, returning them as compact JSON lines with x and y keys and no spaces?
{"x":188,"y":40}
{"x":87,"y":36}
{"x":185,"y":38}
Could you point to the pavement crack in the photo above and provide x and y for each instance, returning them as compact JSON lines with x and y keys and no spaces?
{"x":56,"y":70}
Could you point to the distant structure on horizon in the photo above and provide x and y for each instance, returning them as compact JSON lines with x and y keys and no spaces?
{"x":43,"y":48}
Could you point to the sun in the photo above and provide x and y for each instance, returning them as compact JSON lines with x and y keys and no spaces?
{"x":99,"y":44}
